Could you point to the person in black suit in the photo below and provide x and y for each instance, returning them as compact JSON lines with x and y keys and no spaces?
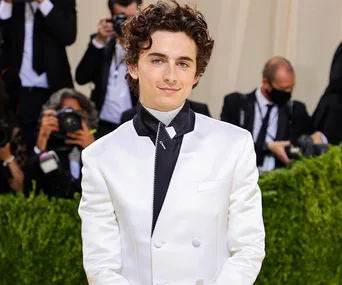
{"x":103,"y":64}
{"x":336,"y":65}
{"x":60,"y":175}
{"x":195,"y":106}
{"x":34,"y":58}
{"x":274,"y":120}
{"x":327,"y":117}
{"x":12,"y":154}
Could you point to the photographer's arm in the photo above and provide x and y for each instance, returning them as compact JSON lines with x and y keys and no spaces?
{"x":92,"y":60}
{"x":61,"y":20}
{"x":16,"y":178}
{"x":48,"y":125}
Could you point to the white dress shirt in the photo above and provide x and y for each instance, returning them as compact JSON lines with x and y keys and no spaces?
{"x":261,"y":105}
{"x":118,"y":96}
{"x":28,"y":77}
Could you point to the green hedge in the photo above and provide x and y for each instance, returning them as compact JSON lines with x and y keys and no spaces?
{"x":40,"y":240}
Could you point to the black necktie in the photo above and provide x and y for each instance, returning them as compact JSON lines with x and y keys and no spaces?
{"x":262,"y":134}
{"x":38,"y":49}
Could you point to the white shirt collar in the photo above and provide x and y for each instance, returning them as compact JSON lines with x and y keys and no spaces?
{"x":263,"y":102}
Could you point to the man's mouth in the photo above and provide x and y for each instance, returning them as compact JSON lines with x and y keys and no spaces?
{"x":169,"y":90}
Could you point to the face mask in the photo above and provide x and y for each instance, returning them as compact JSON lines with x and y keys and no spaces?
{"x":279,"y":97}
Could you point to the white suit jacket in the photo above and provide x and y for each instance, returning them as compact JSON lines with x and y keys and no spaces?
{"x":210,"y":228}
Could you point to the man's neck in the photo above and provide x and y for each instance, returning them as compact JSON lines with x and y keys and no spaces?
{"x":164,"y":116}
{"x":265,"y":94}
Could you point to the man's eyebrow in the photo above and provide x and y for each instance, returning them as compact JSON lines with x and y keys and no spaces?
{"x":165,"y":56}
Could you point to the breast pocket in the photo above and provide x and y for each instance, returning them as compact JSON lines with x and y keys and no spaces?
{"x":214,"y":185}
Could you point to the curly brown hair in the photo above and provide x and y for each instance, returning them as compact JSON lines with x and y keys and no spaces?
{"x":166,"y":16}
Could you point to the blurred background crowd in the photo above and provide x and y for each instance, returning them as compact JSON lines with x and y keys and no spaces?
{"x":47,"y":118}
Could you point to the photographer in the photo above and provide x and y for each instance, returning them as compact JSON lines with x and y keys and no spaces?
{"x":277,"y":123}
{"x":34,"y":62}
{"x":103,"y":64}
{"x":66,"y":128}
{"x":12,"y":150}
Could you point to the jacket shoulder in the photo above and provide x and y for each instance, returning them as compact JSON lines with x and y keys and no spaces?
{"x":223,"y":130}
{"x":115,"y":138}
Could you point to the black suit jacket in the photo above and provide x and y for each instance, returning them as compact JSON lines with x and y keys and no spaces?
{"x":336,"y":65}
{"x":195,"y":106}
{"x":94,"y":67}
{"x":327,"y":117}
{"x":57,"y":30}
{"x":293,"y":121}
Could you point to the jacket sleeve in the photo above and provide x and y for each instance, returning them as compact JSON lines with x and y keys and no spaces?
{"x":100,"y":230}
{"x":62,"y":22}
{"x":246,"y":233}
{"x":90,"y":64}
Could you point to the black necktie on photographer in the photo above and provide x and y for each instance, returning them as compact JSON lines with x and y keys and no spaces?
{"x":262,"y":134}
{"x":38,"y":48}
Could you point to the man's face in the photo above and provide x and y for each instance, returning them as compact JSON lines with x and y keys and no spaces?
{"x":167,"y":71}
{"x":284,"y":80}
{"x":130,"y":10}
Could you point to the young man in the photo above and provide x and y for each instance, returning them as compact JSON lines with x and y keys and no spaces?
{"x":170,"y":197}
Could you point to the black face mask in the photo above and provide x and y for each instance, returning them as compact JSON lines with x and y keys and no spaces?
{"x":279,"y":97}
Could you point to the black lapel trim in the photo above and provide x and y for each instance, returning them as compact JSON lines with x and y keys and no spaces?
{"x":146,"y":124}
{"x":108,"y":56}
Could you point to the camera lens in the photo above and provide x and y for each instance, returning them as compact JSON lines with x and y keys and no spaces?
{"x":71,"y":123}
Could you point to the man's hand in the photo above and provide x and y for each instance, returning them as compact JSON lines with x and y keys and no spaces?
{"x":105,"y":30}
{"x":5,"y":152}
{"x":83,"y":137}
{"x":317,"y":138}
{"x":48,"y":125}
{"x":40,"y":1}
{"x":278,"y":149}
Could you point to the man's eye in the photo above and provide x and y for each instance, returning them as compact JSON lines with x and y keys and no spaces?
{"x":183,"y":64}
{"x":157,"y":61}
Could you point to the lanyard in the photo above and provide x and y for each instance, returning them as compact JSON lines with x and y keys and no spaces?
{"x":117,"y":66}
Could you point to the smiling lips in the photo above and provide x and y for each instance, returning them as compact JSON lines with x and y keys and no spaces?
{"x":169,"y":90}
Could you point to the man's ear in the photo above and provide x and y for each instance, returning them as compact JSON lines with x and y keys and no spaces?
{"x":197,"y":78}
{"x":133,"y":71}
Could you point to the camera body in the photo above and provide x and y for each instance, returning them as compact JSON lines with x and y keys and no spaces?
{"x":5,"y":133}
{"x":306,"y":147}
{"x":69,"y":120}
{"x":118,"y":21}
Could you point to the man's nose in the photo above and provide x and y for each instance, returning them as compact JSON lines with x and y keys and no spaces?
{"x":170,"y":74}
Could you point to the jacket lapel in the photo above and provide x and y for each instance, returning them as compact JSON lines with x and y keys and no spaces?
{"x":108,"y":56}
{"x":282,"y":123}
{"x":249,"y":112}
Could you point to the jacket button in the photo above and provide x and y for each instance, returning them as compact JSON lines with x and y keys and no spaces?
{"x":196,"y":242}
{"x":158,"y":244}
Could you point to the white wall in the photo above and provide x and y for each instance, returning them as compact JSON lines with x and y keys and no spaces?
{"x":247,"y":33}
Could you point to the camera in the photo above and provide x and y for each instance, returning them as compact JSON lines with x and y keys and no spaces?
{"x":69,"y":120}
{"x":5,"y":133}
{"x":306,"y":147}
{"x":118,"y":21}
